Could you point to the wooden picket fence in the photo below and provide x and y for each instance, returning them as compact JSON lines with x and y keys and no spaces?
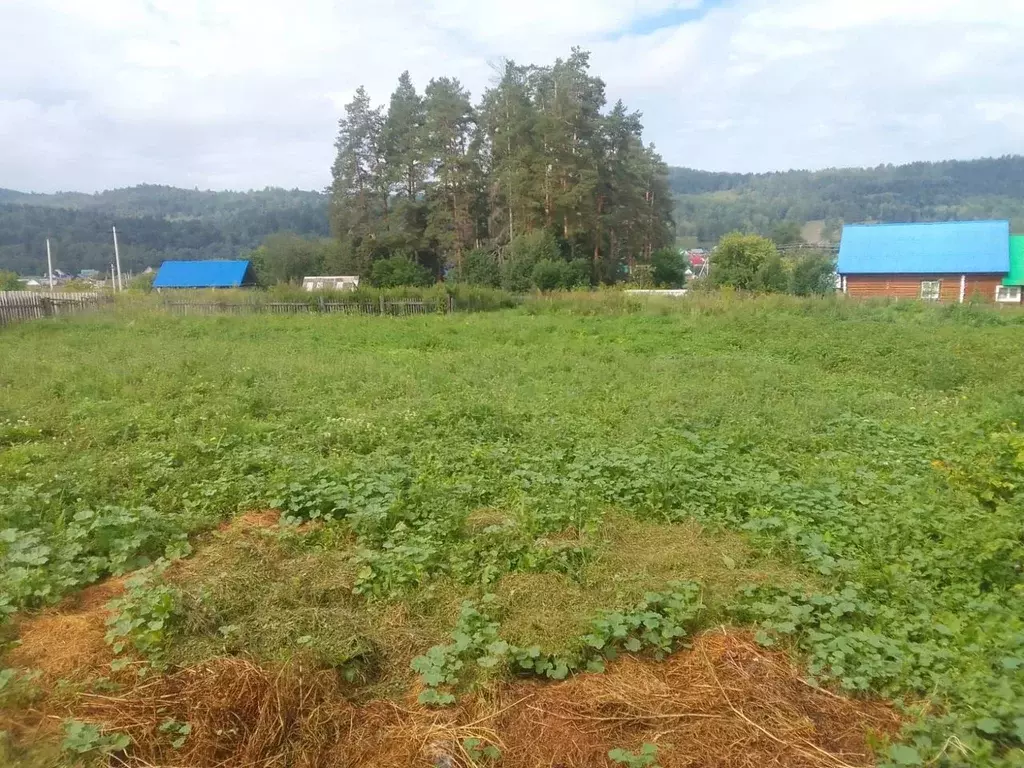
{"x":397,"y":308}
{"x":29,"y":305}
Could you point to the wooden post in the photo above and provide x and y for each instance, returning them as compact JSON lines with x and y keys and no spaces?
{"x":963,"y":287}
{"x":117,"y":260}
{"x":451,"y":303}
{"x":382,"y":303}
{"x":49,"y":264}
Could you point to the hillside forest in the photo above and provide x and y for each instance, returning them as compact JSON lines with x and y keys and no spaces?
{"x":537,"y":182}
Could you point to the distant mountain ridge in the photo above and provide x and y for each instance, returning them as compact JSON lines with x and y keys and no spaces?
{"x":710,"y":204}
{"x":157,"y":222}
{"x":154,"y":223}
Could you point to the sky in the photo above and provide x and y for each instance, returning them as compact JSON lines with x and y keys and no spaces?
{"x":240,"y":94}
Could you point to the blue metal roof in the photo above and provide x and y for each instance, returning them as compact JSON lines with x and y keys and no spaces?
{"x":203,"y":274}
{"x":951,"y":247}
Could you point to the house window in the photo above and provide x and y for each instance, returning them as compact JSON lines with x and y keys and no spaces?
{"x":930,"y":289}
{"x":1008,"y":293}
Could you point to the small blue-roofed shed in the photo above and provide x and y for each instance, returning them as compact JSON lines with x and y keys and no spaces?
{"x":205,"y":274}
{"x":940,"y":261}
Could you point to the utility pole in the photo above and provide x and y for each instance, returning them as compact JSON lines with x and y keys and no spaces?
{"x":49,"y":264}
{"x":117,"y":260}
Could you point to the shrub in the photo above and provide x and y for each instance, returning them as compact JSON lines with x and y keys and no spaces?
{"x":668,"y":268}
{"x":479,"y":267}
{"x":771,"y":276}
{"x":548,"y":275}
{"x":287,"y":257}
{"x":399,"y":270}
{"x":9,"y":281}
{"x":522,"y":255}
{"x":143,"y":282}
{"x":641,"y":276}
{"x":746,"y":262}
{"x":813,"y":275}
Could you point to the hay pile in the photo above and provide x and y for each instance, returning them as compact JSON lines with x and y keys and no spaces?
{"x":67,"y":642}
{"x":726,"y":702}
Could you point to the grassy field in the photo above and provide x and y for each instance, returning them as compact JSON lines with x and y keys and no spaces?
{"x":533,"y":492}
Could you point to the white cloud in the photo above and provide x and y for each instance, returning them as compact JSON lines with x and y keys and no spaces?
{"x":244,"y":93}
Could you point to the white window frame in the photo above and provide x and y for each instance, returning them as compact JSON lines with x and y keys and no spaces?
{"x":931,"y":290}
{"x":1008,"y":294}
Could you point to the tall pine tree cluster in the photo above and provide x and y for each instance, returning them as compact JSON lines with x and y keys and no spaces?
{"x":536,"y":173}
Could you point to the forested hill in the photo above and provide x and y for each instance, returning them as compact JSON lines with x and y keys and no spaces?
{"x":153,"y":223}
{"x":158,"y":222}
{"x":710,"y":204}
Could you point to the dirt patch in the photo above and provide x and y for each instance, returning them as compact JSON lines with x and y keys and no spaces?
{"x":726,"y":702}
{"x":67,"y":643}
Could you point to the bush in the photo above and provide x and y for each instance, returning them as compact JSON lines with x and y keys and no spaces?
{"x":9,"y":281}
{"x":479,"y":267}
{"x":771,"y":276}
{"x":549,"y":275}
{"x":813,"y":275}
{"x":287,"y":257}
{"x":143,"y":282}
{"x":397,"y":271}
{"x":668,"y":268}
{"x":577,"y":274}
{"x":522,"y":255}
{"x":641,"y":276}
{"x":747,"y":262}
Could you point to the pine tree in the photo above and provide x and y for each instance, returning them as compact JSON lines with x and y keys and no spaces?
{"x":359,"y":190}
{"x":402,"y":138}
{"x":508,"y":119}
{"x":450,"y":125}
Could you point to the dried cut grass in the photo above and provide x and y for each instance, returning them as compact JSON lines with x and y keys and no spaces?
{"x":67,"y":642}
{"x":726,"y":702}
{"x":262,"y":518}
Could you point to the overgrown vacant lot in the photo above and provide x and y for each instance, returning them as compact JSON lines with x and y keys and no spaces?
{"x":326,"y":519}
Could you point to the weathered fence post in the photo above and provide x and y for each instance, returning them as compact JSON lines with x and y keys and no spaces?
{"x":451,"y":303}
{"x":382,"y":303}
{"x":46,"y":304}
{"x":320,"y":303}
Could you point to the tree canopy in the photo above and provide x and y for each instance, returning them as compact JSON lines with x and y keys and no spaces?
{"x":438,"y":178}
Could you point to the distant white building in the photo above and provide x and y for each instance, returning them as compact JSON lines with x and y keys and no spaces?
{"x":330,"y":283}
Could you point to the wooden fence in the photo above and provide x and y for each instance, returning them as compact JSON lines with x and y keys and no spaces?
{"x":26,"y":305}
{"x":397,"y":308}
{"x":29,"y":305}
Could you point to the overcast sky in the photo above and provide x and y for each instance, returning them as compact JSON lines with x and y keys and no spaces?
{"x":244,"y":94}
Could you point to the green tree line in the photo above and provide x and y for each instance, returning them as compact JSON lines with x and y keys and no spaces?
{"x":535,"y":184}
